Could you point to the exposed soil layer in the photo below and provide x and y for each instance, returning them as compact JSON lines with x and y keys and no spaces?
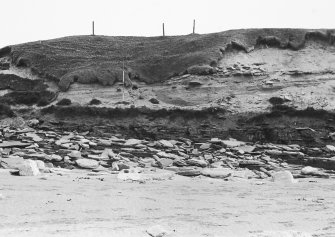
{"x":282,"y":125}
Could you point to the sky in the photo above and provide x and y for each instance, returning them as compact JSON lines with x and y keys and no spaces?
{"x":30,"y":20}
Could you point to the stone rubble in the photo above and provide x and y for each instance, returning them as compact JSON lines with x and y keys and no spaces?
{"x":32,"y":150}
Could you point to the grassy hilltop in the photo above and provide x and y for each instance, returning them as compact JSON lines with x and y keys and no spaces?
{"x":89,"y":59}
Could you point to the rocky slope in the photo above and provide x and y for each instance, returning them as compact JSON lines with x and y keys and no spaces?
{"x":29,"y":150}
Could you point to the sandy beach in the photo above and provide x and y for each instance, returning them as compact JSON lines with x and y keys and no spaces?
{"x":77,"y":204}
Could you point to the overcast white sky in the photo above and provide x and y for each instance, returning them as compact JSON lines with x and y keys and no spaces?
{"x":30,"y":20}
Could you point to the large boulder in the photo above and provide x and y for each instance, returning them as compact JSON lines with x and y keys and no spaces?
{"x":284,"y":177}
{"x":87,"y":163}
{"x":29,"y":168}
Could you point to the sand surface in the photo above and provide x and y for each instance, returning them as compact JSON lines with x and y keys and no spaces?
{"x":70,"y":205}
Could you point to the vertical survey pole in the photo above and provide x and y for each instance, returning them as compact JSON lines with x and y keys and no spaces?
{"x":123,"y":81}
{"x":193,"y":26}
{"x":93,"y":28}
{"x":163,"y":30}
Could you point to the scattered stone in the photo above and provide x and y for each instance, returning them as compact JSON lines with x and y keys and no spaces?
{"x":330,"y":148}
{"x":205,"y":146}
{"x":34,"y":136}
{"x":274,"y":152}
{"x":55,"y":157}
{"x":216,"y":141}
{"x":244,"y":174}
{"x":189,"y":172}
{"x":251,"y":164}
{"x":41,"y":165}
{"x":120,"y":166}
{"x":87,"y":163}
{"x":8,"y":144}
{"x":157,"y":231}
{"x":288,"y":233}
{"x":256,"y":161}
{"x":75,"y":154}
{"x":308,"y":170}
{"x":62,"y":141}
{"x":132,"y":142}
{"x":232,"y":143}
{"x":168,"y":155}
{"x":197,"y":162}
{"x":219,"y":173}
{"x":141,"y":177}
{"x":154,"y":101}
{"x":246,"y":148}
{"x":179,"y":162}
{"x":166,"y":143}
{"x":164,"y":162}
{"x":101,"y":169}
{"x":33,"y":122}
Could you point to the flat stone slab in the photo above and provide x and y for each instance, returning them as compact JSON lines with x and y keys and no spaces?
{"x":8,"y":144}
{"x":145,"y":176}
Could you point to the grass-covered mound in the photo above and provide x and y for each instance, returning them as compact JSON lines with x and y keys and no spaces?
{"x":91,"y":59}
{"x":16,"y":83}
{"x":64,"y":102}
{"x":41,"y":98}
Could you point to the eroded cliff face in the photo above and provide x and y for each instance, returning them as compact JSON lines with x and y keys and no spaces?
{"x":238,"y":72}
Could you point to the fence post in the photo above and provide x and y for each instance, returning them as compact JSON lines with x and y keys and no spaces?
{"x":163,"y":30}
{"x":93,"y":28}
{"x":193,"y":26}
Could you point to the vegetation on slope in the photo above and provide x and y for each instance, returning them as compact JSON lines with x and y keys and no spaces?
{"x":90,"y":59}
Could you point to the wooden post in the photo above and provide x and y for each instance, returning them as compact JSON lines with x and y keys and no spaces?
{"x":123,"y":81}
{"x":93,"y":28}
{"x":163,"y":30}
{"x":193,"y":26}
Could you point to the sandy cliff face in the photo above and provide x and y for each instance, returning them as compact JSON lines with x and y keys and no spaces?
{"x":239,"y":69}
{"x":260,"y":78}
